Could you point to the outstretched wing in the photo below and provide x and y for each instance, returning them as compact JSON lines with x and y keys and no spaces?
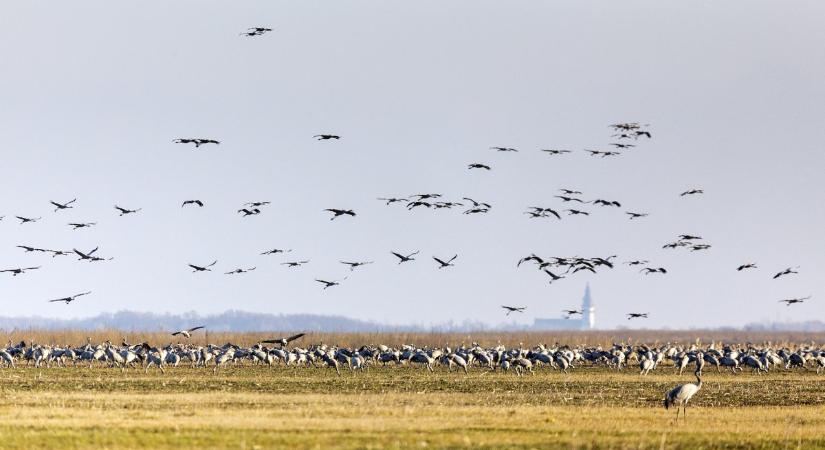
{"x":196,"y":328}
{"x":296,"y":336}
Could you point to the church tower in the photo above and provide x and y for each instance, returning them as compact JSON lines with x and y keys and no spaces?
{"x":588,"y":311}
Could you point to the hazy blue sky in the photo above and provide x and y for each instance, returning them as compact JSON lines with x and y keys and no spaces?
{"x":92,"y":94}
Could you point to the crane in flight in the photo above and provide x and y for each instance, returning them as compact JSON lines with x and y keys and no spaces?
{"x":187,"y":333}
{"x":70,"y":298}
{"x":60,"y":206}
{"x":512,"y":309}
{"x":19,"y":270}
{"x":206,"y":268}
{"x":284,"y":340}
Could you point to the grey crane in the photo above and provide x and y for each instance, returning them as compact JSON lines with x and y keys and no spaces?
{"x":70,"y":298}
{"x":206,"y":268}
{"x":512,"y":309}
{"x":407,"y":258}
{"x":444,"y":264}
{"x":187,"y":333}
{"x":60,"y":206}
{"x":681,"y":395}
{"x":124,"y":211}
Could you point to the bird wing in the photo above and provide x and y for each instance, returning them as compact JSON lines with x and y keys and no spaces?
{"x":81,"y":295}
{"x":59,"y":300}
{"x":398,"y":255}
{"x":440,"y":261}
{"x":176,"y":333}
{"x":196,"y":328}
{"x":296,"y":336}
{"x":213,"y":263}
{"x":453,"y":258}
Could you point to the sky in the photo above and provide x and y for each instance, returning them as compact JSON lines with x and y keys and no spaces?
{"x":93,"y":93}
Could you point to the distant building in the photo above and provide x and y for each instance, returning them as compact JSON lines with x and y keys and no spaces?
{"x":587,"y":321}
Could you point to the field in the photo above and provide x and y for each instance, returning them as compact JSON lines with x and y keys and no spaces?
{"x":248,"y":406}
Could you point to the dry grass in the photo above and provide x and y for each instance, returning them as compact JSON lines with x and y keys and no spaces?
{"x":255,"y":407}
{"x":249,"y":406}
{"x":589,"y":338}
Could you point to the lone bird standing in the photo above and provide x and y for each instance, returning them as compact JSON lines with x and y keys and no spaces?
{"x":681,"y":395}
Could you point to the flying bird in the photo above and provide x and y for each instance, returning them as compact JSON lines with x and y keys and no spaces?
{"x":791,"y":301}
{"x":477,"y":204}
{"x":70,"y":298}
{"x":328,"y":284}
{"x":603,"y":154}
{"x":746,"y":266}
{"x":88,"y":256}
{"x":391,"y":200}
{"x":571,"y":312}
{"x":28,"y":219}
{"x":649,"y":270}
{"x":478,"y":166}
{"x":637,"y":262}
{"x":553,"y":276}
{"x":283,"y":341}
{"x":636,"y":316}
{"x":59,"y":206}
{"x":443,"y":264}
{"x":566,"y":199}
{"x":203,"y":268}
{"x":552,"y":151}
{"x":601,"y":202}
{"x":275,"y":250}
{"x":570,"y":192}
{"x":197,"y":141}
{"x":325,"y":137}
{"x":187,"y":333}
{"x":239,"y":270}
{"x":692,"y":192}
{"x":248,"y":212}
{"x":192,"y":202}
{"x":340,"y":212}
{"x":124,"y":211}
{"x":504,"y":149}
{"x":255,"y":31}
{"x":787,"y":271}
{"x":353,"y":264}
{"x":575,"y":212}
{"x":256,"y":204}
{"x":620,"y":145}
{"x":512,"y":309}
{"x":634,"y":215}
{"x":31,"y":249}
{"x":19,"y":270}
{"x":403,"y":259}
{"x":295,"y":263}
{"x":82,"y":225}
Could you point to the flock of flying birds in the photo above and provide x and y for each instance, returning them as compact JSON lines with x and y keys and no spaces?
{"x":626,"y":136}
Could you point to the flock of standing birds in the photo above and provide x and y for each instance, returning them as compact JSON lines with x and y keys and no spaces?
{"x":626,"y":136}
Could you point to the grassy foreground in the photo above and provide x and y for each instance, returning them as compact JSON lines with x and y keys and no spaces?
{"x":255,"y":407}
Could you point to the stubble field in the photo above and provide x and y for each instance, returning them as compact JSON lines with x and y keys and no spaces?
{"x":246,"y":406}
